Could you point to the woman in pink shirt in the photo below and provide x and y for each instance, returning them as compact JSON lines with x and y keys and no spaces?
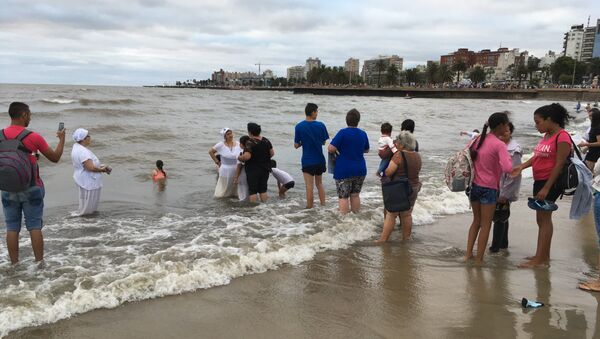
{"x":490,"y":160}
{"x":547,"y":162}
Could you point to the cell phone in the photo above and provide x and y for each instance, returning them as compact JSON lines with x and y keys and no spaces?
{"x":61,"y":126}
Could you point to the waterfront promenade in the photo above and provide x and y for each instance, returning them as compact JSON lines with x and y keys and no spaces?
{"x":562,"y":94}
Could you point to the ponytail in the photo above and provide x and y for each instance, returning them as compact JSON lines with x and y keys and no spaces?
{"x":479,"y":142}
{"x":494,"y":121}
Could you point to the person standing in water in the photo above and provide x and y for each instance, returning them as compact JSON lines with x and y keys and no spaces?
{"x":311,"y":135}
{"x":29,"y":203}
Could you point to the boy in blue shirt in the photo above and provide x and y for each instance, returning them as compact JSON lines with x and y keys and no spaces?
{"x":311,"y":135}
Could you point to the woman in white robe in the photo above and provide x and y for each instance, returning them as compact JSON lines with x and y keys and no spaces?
{"x":87,"y":173}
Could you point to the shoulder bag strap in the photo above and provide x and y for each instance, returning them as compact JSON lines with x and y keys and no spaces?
{"x":405,"y":164}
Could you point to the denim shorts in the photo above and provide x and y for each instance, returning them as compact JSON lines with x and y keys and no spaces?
{"x":29,"y":203}
{"x":483,"y":195}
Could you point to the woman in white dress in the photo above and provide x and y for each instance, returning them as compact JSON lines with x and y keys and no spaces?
{"x":87,"y":172}
{"x":228,"y":150}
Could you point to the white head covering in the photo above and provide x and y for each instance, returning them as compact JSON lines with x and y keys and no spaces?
{"x":80,"y":134}
{"x":224,"y":131}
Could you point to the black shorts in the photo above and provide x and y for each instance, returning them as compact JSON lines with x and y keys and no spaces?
{"x":553,"y":194}
{"x":257,"y":181}
{"x":289,"y":185}
{"x":313,"y":170}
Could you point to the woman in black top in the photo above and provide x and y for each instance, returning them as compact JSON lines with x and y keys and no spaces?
{"x":257,"y":157}
{"x":594,"y":140}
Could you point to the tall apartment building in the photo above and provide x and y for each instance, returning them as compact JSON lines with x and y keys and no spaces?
{"x":370,"y":73}
{"x":311,"y":64}
{"x":596,"y":52}
{"x":351,"y":66}
{"x":295,"y":73}
{"x":587,"y":49}
{"x":573,"y":42}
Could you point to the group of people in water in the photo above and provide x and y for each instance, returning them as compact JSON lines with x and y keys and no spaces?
{"x":497,"y":167}
{"x":244,"y":168}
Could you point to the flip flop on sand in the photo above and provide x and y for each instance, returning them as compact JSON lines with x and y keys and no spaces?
{"x":590,"y":287}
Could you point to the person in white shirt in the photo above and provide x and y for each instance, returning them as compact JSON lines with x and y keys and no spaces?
{"x":87,"y":173}
{"x":386,"y":149}
{"x":284,"y":180}
{"x":472,"y":135}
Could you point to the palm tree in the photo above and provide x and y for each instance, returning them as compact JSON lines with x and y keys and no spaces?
{"x":445,"y":74}
{"x":459,"y":66}
{"x":477,"y":75}
{"x":392,"y":75}
{"x":432,"y":72}
{"x":412,"y":75}
{"x":380,"y":66}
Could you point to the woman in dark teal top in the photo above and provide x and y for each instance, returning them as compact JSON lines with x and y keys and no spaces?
{"x":350,"y":167}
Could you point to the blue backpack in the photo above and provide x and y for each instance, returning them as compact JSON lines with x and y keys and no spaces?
{"x":17,"y":172}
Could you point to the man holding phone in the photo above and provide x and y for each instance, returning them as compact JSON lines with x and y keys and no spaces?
{"x":29,"y":202}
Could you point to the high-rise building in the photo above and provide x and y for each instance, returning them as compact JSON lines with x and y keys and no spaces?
{"x":462,"y":54}
{"x":596,"y":52}
{"x":573,"y":43}
{"x":351,"y":66}
{"x":587,"y":49}
{"x":371,"y":72}
{"x":295,"y":73}
{"x":311,"y":64}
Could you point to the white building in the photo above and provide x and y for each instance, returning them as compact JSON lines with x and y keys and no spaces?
{"x":370,"y":72}
{"x":573,"y":43}
{"x":311,"y":64}
{"x":268,"y":74}
{"x":505,"y":60}
{"x":295,"y":73}
{"x":548,"y":59}
{"x":351,"y":66}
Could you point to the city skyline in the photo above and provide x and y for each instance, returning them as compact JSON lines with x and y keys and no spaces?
{"x":155,"y":41}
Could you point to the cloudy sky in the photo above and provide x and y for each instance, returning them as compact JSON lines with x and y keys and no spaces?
{"x":136,"y":42}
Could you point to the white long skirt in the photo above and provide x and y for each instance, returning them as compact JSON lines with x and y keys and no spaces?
{"x":225,"y":187}
{"x":88,"y":200}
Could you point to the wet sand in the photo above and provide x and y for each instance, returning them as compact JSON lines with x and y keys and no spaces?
{"x":399,"y":290}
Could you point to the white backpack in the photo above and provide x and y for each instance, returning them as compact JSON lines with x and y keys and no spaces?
{"x":459,"y":171}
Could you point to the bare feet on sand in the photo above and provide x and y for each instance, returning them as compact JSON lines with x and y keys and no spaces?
{"x":533,"y":263}
{"x":591,"y":286}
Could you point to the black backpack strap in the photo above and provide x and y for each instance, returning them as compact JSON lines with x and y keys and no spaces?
{"x":575,"y":147}
{"x":2,"y":136}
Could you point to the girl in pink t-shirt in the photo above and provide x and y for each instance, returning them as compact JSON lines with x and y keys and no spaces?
{"x":490,"y":160}
{"x":547,"y":162}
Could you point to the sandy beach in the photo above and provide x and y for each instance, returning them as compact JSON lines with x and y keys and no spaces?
{"x":400,"y":290}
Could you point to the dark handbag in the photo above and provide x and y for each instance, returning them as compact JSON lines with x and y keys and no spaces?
{"x":396,"y":192}
{"x":568,"y":179}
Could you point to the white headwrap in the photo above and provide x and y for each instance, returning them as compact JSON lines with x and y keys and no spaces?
{"x":80,"y":134}
{"x":224,"y":131}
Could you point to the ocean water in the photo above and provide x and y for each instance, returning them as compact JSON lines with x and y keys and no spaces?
{"x":146,"y":244}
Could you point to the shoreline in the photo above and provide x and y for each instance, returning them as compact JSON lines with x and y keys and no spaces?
{"x":566,"y":94}
{"x":419,"y":288}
